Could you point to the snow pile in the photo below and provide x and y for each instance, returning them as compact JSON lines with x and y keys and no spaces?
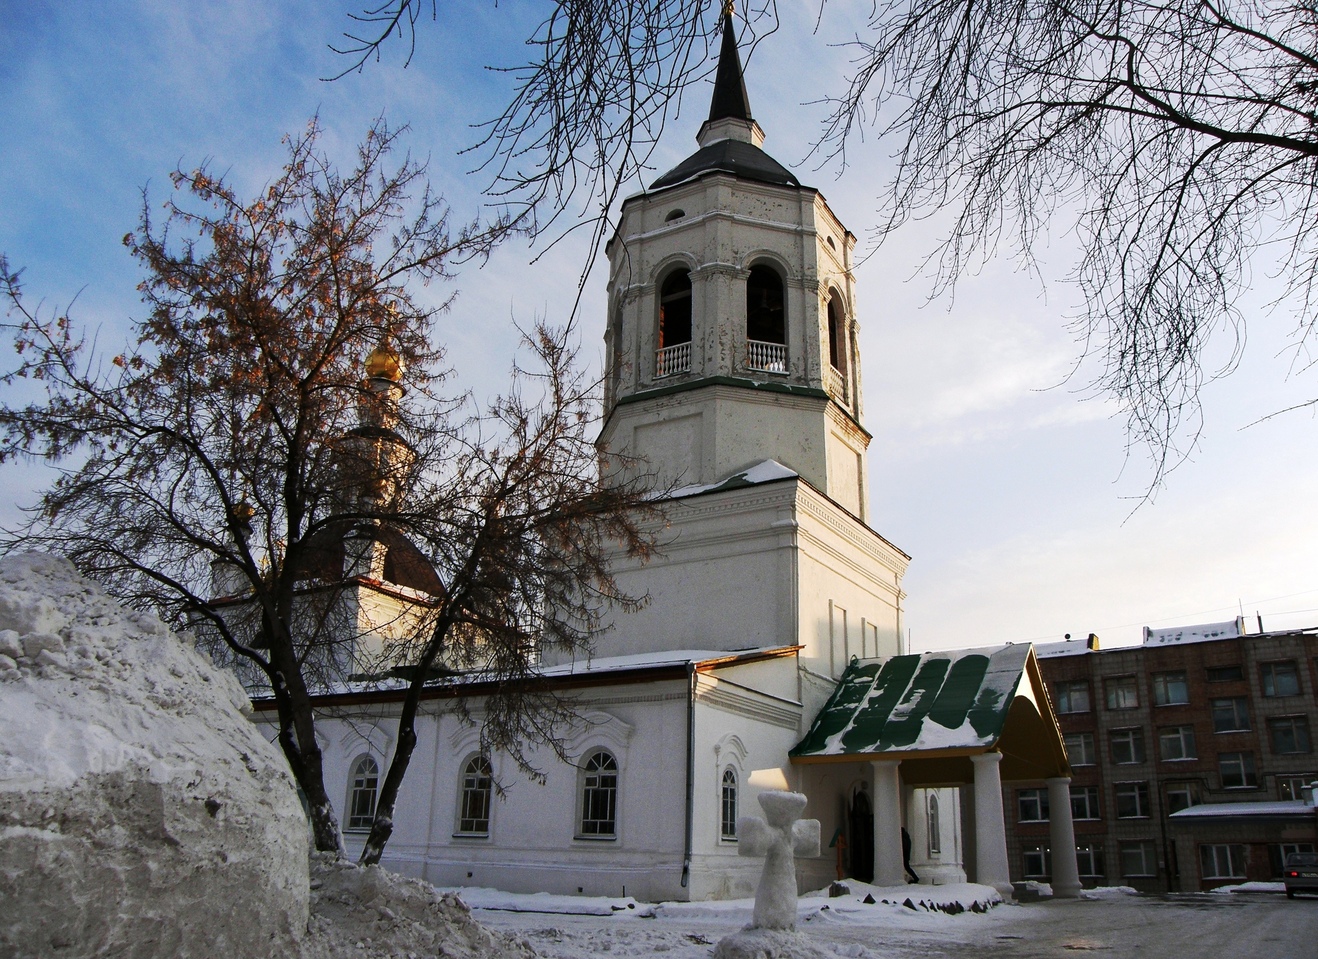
{"x":367,"y":912}
{"x":140,"y":813}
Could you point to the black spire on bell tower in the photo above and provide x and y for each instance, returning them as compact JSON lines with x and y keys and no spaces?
{"x":729,"y":100}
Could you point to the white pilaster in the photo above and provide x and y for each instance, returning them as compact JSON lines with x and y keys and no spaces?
{"x":887,"y":794}
{"x":990,"y":829}
{"x":1066,"y":872}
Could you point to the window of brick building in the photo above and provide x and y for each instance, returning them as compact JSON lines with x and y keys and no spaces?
{"x":1072,"y":696}
{"x":1127,"y":746}
{"x":1138,"y":858}
{"x":1033,"y":805}
{"x":1230,"y":714}
{"x":1289,"y":734}
{"x":1084,"y":802}
{"x":1291,"y":787}
{"x":1122,"y":693}
{"x":1280,"y":679}
{"x":1176,"y":743}
{"x":1035,"y":860}
{"x":1080,"y":749}
{"x":1222,"y":861}
{"x":1133,"y":801}
{"x":1089,"y":857}
{"x":1170,"y":689}
{"x":1237,"y":770}
{"x":1225,"y":674}
{"x":1182,"y":796}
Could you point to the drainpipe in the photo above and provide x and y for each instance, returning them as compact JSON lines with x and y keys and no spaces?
{"x":690,"y":768}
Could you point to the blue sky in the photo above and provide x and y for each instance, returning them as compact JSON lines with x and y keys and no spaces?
{"x":1012,"y":493}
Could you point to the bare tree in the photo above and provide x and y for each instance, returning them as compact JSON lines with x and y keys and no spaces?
{"x":258,"y":423}
{"x":1177,"y":138}
{"x":586,"y":109}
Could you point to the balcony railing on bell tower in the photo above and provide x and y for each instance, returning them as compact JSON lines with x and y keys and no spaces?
{"x":672,"y":359}
{"x":767,"y":357}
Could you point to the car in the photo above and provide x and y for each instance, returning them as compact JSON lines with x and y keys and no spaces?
{"x":1300,"y":873}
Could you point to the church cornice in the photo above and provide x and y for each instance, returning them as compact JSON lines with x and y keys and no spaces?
{"x":686,"y":223}
{"x":744,"y":383}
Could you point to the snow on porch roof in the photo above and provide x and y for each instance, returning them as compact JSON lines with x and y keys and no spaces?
{"x":930,"y":703}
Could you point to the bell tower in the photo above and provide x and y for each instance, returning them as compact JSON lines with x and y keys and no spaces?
{"x":731,"y":335}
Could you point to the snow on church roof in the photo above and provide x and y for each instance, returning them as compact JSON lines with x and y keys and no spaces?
{"x":655,"y":660}
{"x":930,"y":701}
{"x":765,"y":472}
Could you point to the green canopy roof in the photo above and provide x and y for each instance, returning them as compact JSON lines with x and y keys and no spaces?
{"x":920,"y":704}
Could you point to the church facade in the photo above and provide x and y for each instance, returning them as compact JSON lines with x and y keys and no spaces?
{"x":734,"y":380}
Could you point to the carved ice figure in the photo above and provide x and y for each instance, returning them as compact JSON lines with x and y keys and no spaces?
{"x":779,"y":838}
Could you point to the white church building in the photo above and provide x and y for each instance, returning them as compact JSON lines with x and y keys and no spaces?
{"x":770,"y":654}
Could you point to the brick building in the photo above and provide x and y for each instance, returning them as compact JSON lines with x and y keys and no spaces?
{"x":1190,"y":754}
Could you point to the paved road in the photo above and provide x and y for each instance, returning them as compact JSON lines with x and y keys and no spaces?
{"x":1240,"y":926}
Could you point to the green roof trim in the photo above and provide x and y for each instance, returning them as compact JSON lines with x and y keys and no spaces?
{"x":955,"y":699}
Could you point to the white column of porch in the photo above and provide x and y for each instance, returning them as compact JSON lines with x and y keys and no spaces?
{"x":990,"y":829}
{"x":888,"y":870}
{"x":1066,"y":872}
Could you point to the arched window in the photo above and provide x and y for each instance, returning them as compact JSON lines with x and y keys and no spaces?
{"x":599,"y":796}
{"x":836,"y":375}
{"x":766,"y":312}
{"x":675,"y":309}
{"x":837,"y":336}
{"x":474,"y":809}
{"x":361,"y":797}
{"x":728,"y":804}
{"x":766,"y":321}
{"x":673,"y":354}
{"x":935,"y":830}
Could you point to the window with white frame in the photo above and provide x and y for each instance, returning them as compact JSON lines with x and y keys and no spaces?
{"x":1230,"y":714}
{"x":1280,"y":679}
{"x":1035,"y":859}
{"x":474,"y":805}
{"x":362,"y":790}
{"x":1033,"y":805}
{"x":1289,"y":735}
{"x":599,"y":797}
{"x":1089,"y":860}
{"x":1138,"y":858}
{"x":728,"y":805}
{"x":1176,"y":743}
{"x":1170,"y":689}
{"x":1222,"y":861}
{"x":1278,"y":851}
{"x":1084,"y":802}
{"x":1122,"y":693}
{"x":1080,"y":748}
{"x":1181,"y":796}
{"x":1290,"y":787}
{"x":934,"y":826}
{"x":1237,"y":770}
{"x":1127,"y":746}
{"x":1132,"y":800}
{"x":1072,"y":696}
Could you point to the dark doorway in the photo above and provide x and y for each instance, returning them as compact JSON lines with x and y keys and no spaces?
{"x":861,"y":826}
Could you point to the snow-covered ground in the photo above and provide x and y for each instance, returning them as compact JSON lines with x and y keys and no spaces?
{"x":1114,"y":922}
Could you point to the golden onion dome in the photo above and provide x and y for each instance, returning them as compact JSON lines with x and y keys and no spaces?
{"x":384,"y":363}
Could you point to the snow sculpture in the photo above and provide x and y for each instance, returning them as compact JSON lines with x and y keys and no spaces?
{"x":779,"y":837}
{"x":141,"y":813}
